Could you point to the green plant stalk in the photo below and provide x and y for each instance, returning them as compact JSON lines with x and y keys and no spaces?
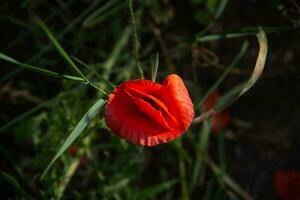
{"x":81,"y":125}
{"x":135,"y":39}
{"x":40,"y":70}
{"x":110,"y":84}
{"x":182,"y":173}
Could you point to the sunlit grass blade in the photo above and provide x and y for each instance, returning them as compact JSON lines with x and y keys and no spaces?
{"x":226,"y":72}
{"x":258,"y":69}
{"x":39,"y":70}
{"x":213,"y":37}
{"x":15,"y":185}
{"x":154,"y":67}
{"x":82,"y":124}
{"x":117,"y":186}
{"x":260,"y":62}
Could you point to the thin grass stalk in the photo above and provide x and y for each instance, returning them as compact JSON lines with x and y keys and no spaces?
{"x":135,"y":39}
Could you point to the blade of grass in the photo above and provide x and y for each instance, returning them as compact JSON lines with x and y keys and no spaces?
{"x":182,"y":171}
{"x":14,"y":183}
{"x":221,"y":152}
{"x":241,"y":53}
{"x":260,"y":63}
{"x":112,"y":12}
{"x":217,"y":15}
{"x":48,"y":46}
{"x":59,"y":48}
{"x":114,"y":55}
{"x":71,"y":169}
{"x":258,"y":69}
{"x":213,"y":37}
{"x":201,"y":146}
{"x":82,"y":124}
{"x":227,"y":179}
{"x":66,"y":56}
{"x":27,"y":32}
{"x":40,"y":70}
{"x":242,"y":32}
{"x":102,"y":13}
{"x":154,"y":67}
{"x":151,"y":192}
{"x":110,"y":84}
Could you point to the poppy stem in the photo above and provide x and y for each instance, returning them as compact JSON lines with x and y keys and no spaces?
{"x":135,"y":39}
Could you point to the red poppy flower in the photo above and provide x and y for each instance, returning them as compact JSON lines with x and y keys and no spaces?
{"x":221,"y":119}
{"x":72,"y":150}
{"x":147,"y":113}
{"x":287,"y":184}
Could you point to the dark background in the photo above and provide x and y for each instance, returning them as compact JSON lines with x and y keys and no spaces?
{"x":262,"y":138}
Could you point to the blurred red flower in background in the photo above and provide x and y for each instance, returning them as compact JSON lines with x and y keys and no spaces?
{"x":287,"y":184}
{"x":220,"y":120}
{"x":147,"y":113}
{"x":72,"y":150}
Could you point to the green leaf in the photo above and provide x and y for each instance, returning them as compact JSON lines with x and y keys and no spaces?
{"x":82,"y":124}
{"x":39,"y":70}
{"x":154,"y":67}
{"x":14,"y":183}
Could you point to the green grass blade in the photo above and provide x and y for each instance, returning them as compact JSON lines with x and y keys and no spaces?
{"x":258,"y":69}
{"x":115,"y":54}
{"x":103,"y":12}
{"x":39,"y":70}
{"x":47,"y":47}
{"x":66,"y":56}
{"x":82,"y":124}
{"x":217,"y":15}
{"x":154,"y":67}
{"x":152,"y":191}
{"x":60,"y":49}
{"x":14,"y":183}
{"x":110,"y":84}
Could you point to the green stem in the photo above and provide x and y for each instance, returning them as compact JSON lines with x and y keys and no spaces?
{"x":135,"y":39}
